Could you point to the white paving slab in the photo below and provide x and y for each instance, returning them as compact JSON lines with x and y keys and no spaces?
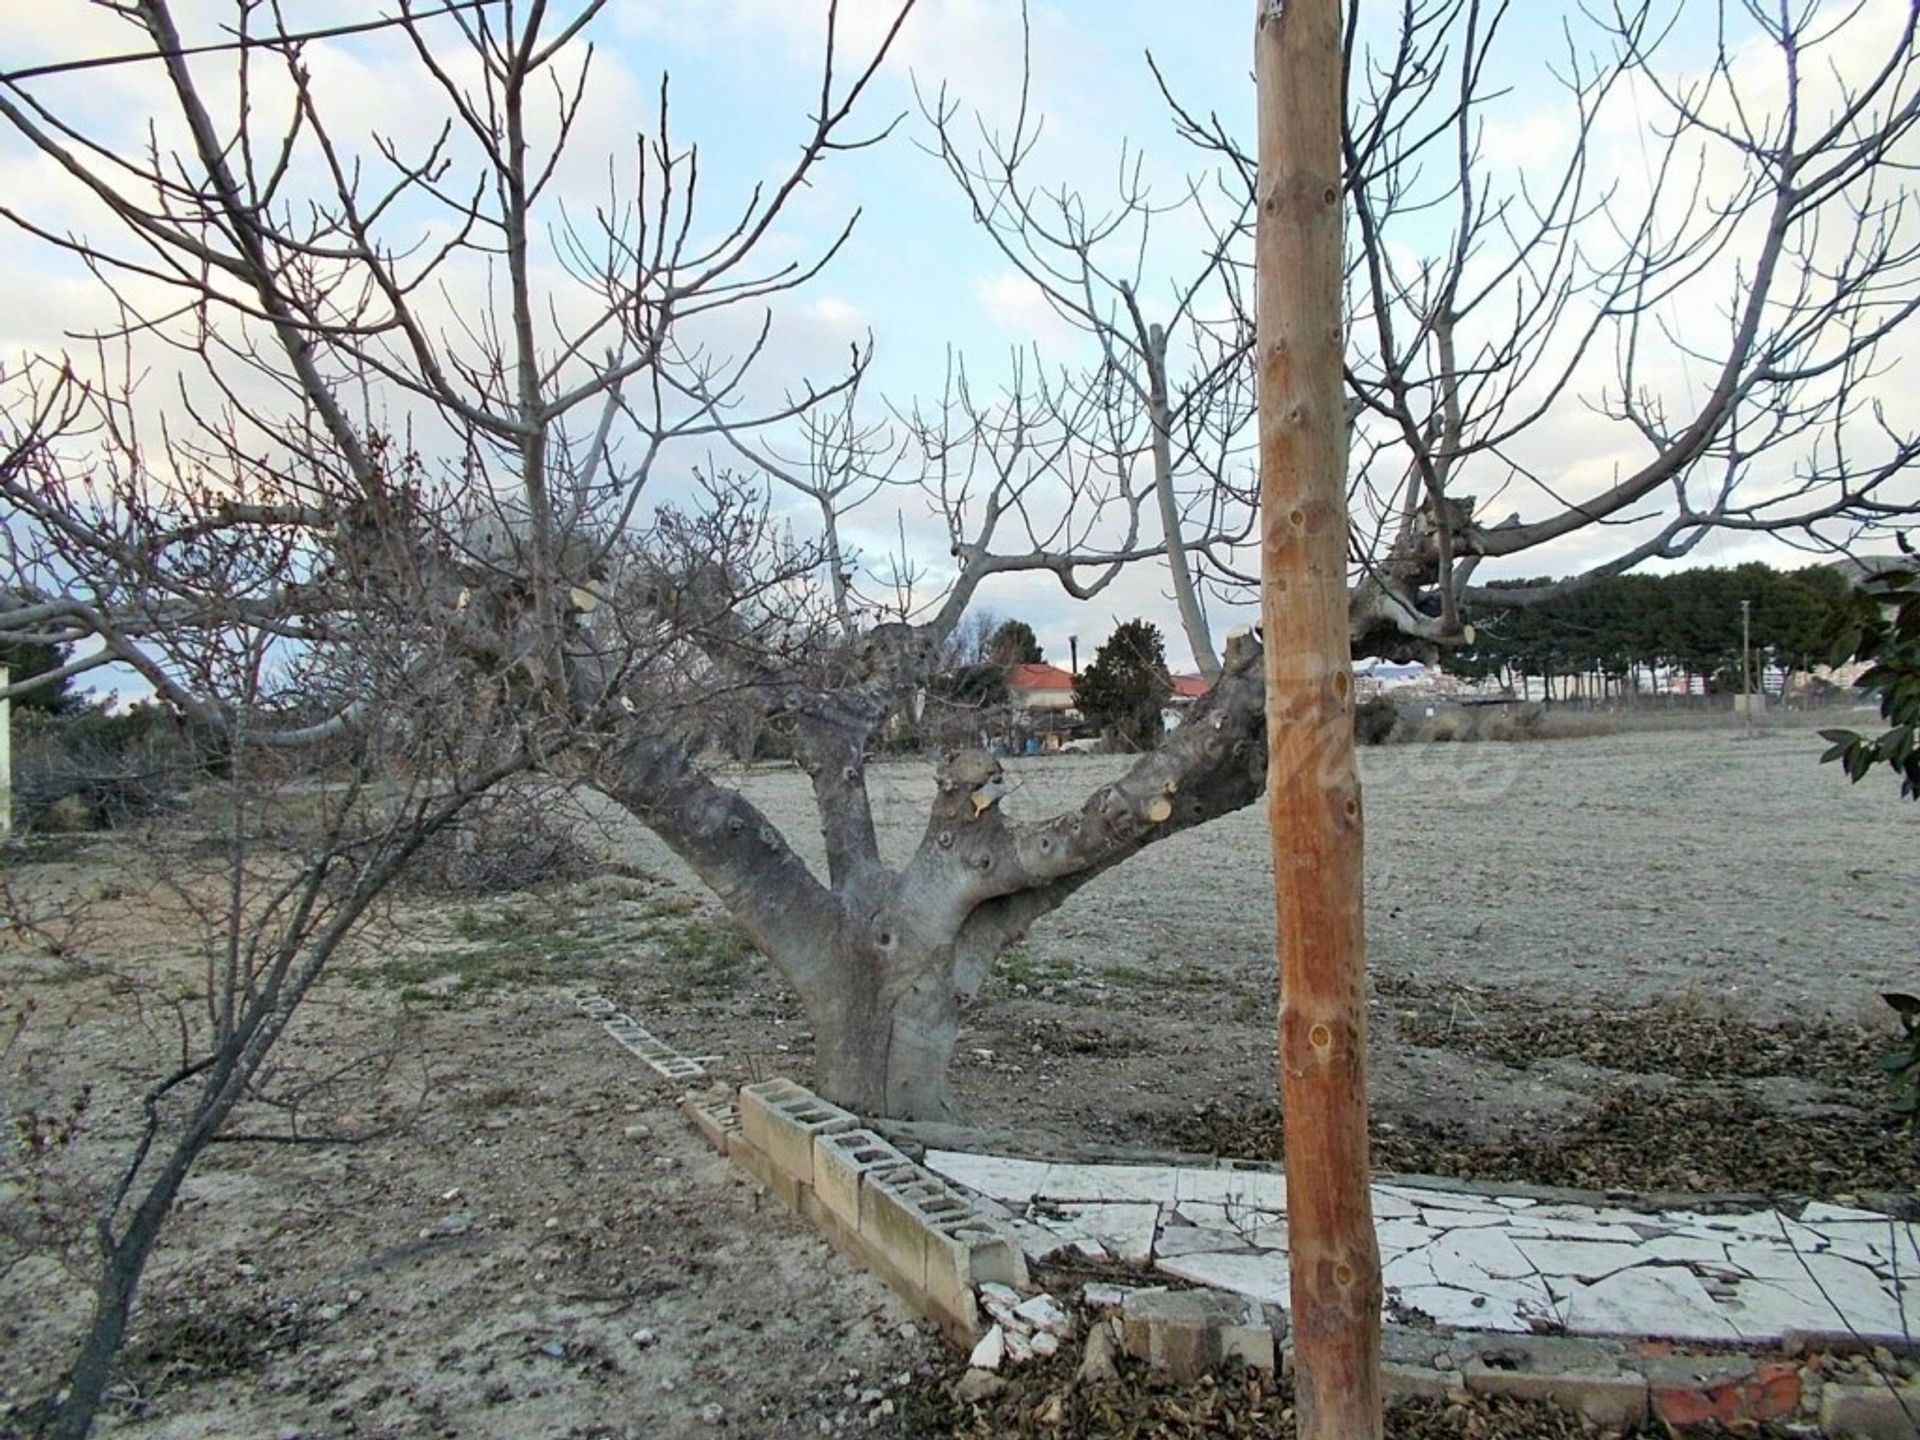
{"x":1466,"y":1219}
{"x":1467,"y":1257}
{"x":1664,"y":1300}
{"x":1261,"y":1276}
{"x":1124,"y":1229}
{"x":1498,"y":1306}
{"x":1395,"y":1236}
{"x":1490,"y":1262}
{"x":1249,"y":1189}
{"x":1001,"y":1176}
{"x":1198,"y":1240}
{"x":1586,"y":1260}
{"x":1240,"y":1219}
{"x":1158,"y":1183}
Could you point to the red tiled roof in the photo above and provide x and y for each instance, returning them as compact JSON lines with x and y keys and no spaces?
{"x":1190,"y":687}
{"x":1038,"y":677}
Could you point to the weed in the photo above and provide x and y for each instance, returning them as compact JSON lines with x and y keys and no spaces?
{"x":1901,"y":1065}
{"x":1017,"y":965}
{"x":669,"y":907}
{"x":1181,"y":976}
{"x":709,"y":954}
{"x":499,"y":950}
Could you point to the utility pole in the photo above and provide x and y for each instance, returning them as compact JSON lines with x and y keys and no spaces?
{"x":1746,"y":662}
{"x":1313,"y":783}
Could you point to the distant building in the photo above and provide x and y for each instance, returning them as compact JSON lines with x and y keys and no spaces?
{"x":1040,"y":689}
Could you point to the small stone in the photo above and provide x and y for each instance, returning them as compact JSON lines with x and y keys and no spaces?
{"x":978,"y":1386}
{"x":450,"y":1195}
{"x":713,"y":1414}
{"x":1096,"y":1361}
{"x":553,"y":1348}
{"x":1046,"y":1344}
{"x":1043,"y":1312}
{"x":1101,"y":1297}
{"x":644,"y":1338}
{"x":991,"y":1353}
{"x":638,"y":1132}
{"x":1004,"y":1315}
{"x":664,"y":1162}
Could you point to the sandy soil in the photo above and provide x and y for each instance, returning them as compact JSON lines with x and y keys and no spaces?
{"x":1624,"y":868}
{"x":1691,"y":872}
{"x":1552,"y":926}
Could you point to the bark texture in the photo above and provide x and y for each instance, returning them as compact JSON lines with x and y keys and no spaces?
{"x":1314,"y":798}
{"x":885,"y":958}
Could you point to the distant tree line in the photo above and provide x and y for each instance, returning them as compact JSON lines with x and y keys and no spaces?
{"x":1627,"y":632}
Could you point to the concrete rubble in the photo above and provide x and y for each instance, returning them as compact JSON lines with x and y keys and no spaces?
{"x":1595,"y":1306}
{"x":1484,"y":1261}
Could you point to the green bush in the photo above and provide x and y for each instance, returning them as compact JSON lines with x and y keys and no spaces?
{"x":1374,"y":721}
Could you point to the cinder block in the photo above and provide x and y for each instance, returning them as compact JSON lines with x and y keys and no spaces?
{"x":1411,"y":1381}
{"x":1585,"y":1376}
{"x":775,"y":1181}
{"x":839,"y":1160}
{"x":1869,"y":1412}
{"x":783,"y":1119}
{"x":965,"y":1252}
{"x":714,"y":1116}
{"x":1723,"y":1389}
{"x":1190,"y":1332}
{"x":891,"y":1224}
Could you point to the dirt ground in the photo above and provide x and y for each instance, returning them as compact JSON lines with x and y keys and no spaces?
{"x":1647,"y":961}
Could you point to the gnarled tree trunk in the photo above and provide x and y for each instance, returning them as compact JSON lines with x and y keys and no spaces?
{"x":885,"y":959}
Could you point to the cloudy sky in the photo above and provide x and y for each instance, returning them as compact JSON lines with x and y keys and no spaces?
{"x":917,"y":275}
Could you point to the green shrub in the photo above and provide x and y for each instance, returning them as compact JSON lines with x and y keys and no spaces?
{"x":1374,"y":721}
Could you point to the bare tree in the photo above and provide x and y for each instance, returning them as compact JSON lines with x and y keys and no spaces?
{"x":1163,"y":405}
{"x":562,"y":553}
{"x":273,"y":555}
{"x":1726,"y":300}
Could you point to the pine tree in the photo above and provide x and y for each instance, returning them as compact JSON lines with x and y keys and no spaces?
{"x":1125,"y":688}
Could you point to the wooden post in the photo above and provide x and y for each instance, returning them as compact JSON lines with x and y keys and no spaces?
{"x":1313,"y":786}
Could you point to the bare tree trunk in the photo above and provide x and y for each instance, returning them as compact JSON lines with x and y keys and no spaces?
{"x":113,"y":1307}
{"x":1313,"y":792}
{"x":1193,"y":617}
{"x":884,"y":1033}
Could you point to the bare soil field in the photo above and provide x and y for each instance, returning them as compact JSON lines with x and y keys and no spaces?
{"x":1642,"y":962}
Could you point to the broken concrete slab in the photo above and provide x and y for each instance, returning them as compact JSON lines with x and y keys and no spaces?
{"x":1660,"y":1300}
{"x":1124,"y":1230}
{"x":1002,"y":1176}
{"x":1190,"y":1332}
{"x":1261,"y":1276}
{"x":1178,"y":1240}
{"x":1583,"y":1375}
